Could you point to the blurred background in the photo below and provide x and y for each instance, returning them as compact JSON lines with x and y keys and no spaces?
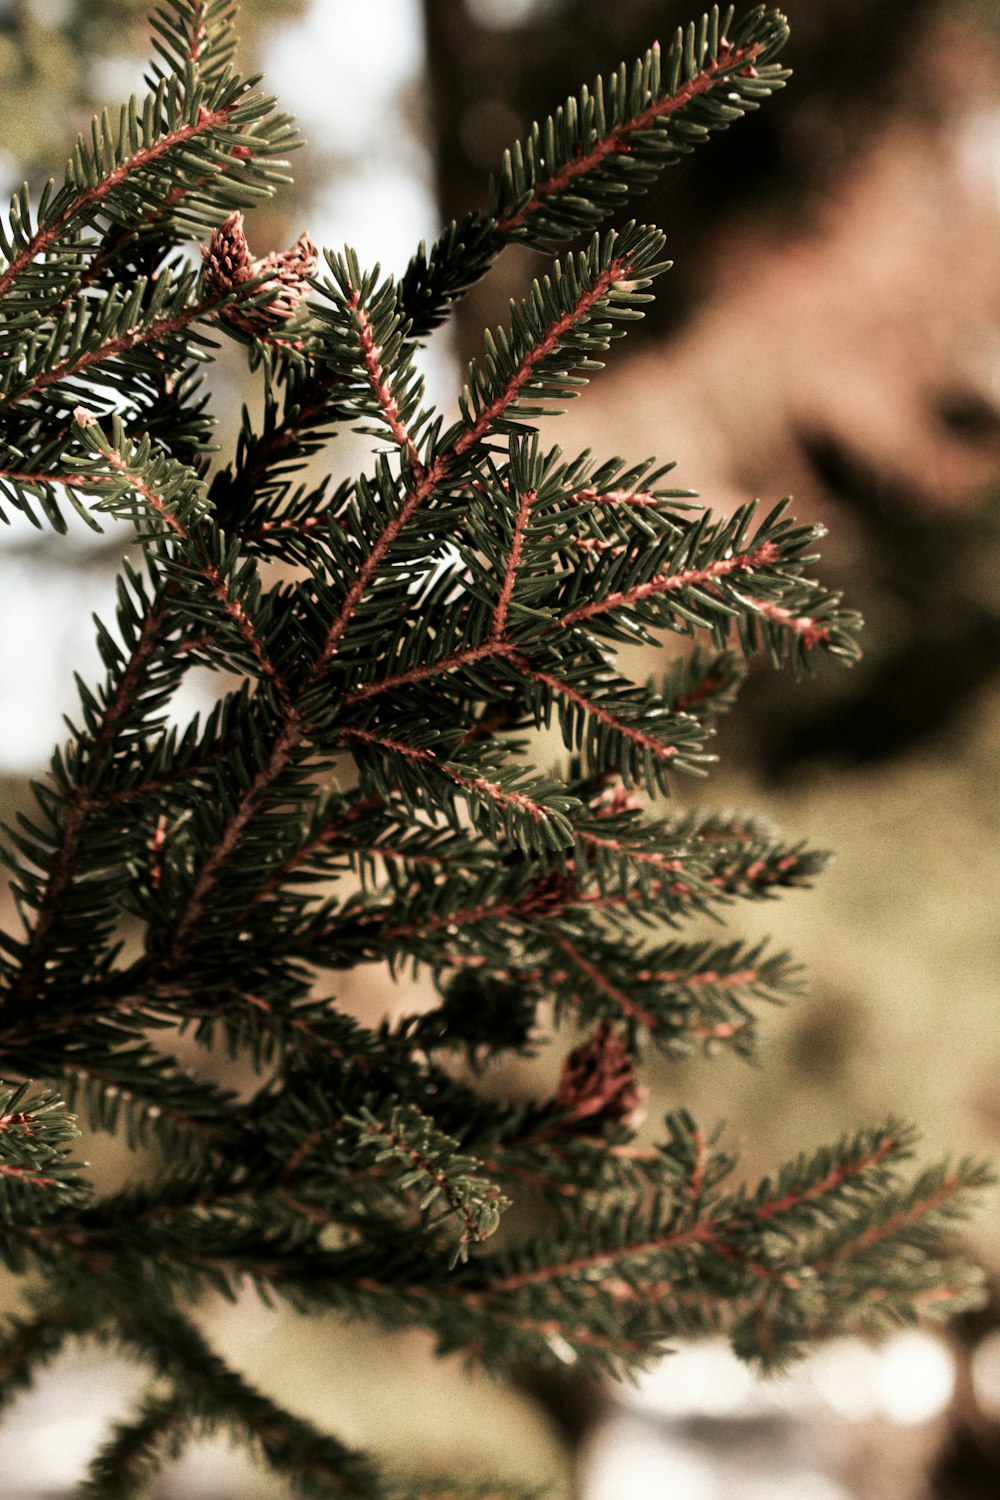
{"x":831,"y":329}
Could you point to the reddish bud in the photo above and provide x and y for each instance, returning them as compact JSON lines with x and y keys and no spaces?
{"x":228,"y":265}
{"x":227,"y":256}
{"x":598,"y":1079}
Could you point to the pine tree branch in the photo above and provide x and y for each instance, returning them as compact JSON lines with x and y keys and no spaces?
{"x":381,"y":386}
{"x":208,"y":32}
{"x":137,"y":1448}
{"x":809,"y":631}
{"x":617,"y":141}
{"x":428,"y":670}
{"x":647,"y":743}
{"x":595,"y":287}
{"x":608,"y":143}
{"x":286,"y":742}
{"x":595,"y":283}
{"x":70,"y":479}
{"x":851,"y":1166}
{"x":285,"y":442}
{"x":152,"y":334}
{"x":37,"y":1179}
{"x":633,"y":853}
{"x":913,"y":1212}
{"x":103,"y":261}
{"x":670,"y":583}
{"x":431,"y":1162}
{"x":317,"y":1464}
{"x":92,"y":197}
{"x":198,"y":32}
{"x":28,"y":1344}
{"x":138,"y":472}
{"x":627,"y":1006}
{"x":429,"y":615}
{"x":631,"y":499}
{"x":81,"y":802}
{"x":157,"y":1099}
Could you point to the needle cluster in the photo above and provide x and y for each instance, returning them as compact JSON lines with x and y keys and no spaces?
{"x":364,"y":792}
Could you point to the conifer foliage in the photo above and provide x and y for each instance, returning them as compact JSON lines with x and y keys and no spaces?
{"x":363,"y":792}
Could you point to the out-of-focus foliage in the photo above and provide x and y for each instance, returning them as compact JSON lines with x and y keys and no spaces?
{"x":54,"y":57}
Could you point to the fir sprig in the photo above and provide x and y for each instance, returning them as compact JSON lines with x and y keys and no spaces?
{"x":430,"y":1162}
{"x":37,"y":1178}
{"x":365,"y":790}
{"x":604,"y":145}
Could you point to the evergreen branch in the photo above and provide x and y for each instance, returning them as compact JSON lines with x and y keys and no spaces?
{"x":611,"y":1257}
{"x":828,"y":1174}
{"x":706,"y":861}
{"x":809,"y":630}
{"x":137,"y":1448}
{"x":430,"y":1161}
{"x":120,"y":342}
{"x":316,"y":1464}
{"x":436,"y":278}
{"x":498,"y":909}
{"x":198,"y":32}
{"x":365,"y":830}
{"x":151,"y":1096}
{"x":557,"y":321}
{"x":531,"y":814}
{"x":171,"y":491}
{"x":632,"y":499}
{"x":611,"y":737}
{"x":628,"y":1008}
{"x":912,"y":1216}
{"x":361,"y":319}
{"x":702,"y":586}
{"x":28,"y":1344}
{"x":48,"y":903}
{"x":528,"y":812}
{"x":49,"y":478}
{"x":86,"y":202}
{"x":673,"y":1004}
{"x":611,"y":141}
{"x":703,"y":684}
{"x":626,"y":854}
{"x":177,"y":496}
{"x":278,"y":760}
{"x":289,"y":432}
{"x":289,"y":1032}
{"x":429,"y":616}
{"x":414,"y":499}
{"x":382,"y":742}
{"x":615,"y":139}
{"x":424,"y":671}
{"x":163,"y":1214}
{"x":80,"y":799}
{"x":36,"y":1177}
{"x":670,"y":583}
